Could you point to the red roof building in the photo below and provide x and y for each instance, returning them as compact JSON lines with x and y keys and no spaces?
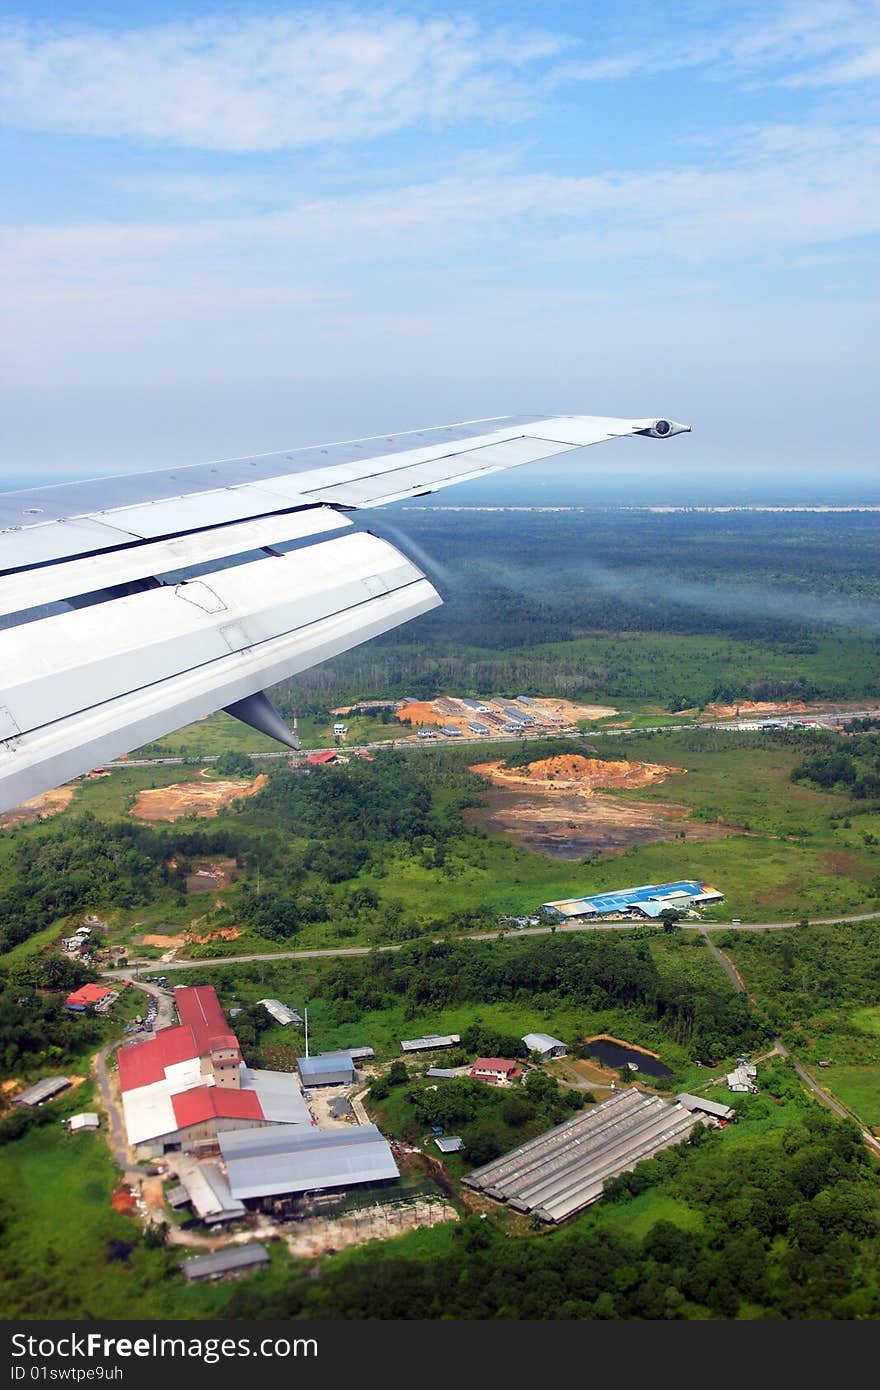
{"x":322,"y":759}
{"x":87,"y":994}
{"x":494,"y":1069}
{"x":187,"y":1084}
{"x":146,"y":1063}
{"x":215,"y":1103}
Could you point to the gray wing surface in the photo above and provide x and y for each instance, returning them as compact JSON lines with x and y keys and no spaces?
{"x":131,"y":606}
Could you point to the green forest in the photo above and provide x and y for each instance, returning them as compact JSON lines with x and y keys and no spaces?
{"x":681,"y":608}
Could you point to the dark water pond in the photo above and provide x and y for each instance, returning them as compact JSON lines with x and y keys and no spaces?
{"x":613,"y":1055}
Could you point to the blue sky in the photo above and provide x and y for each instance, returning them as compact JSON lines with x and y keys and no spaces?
{"x":237,"y":227}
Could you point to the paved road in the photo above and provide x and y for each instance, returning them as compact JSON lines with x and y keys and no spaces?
{"x":156,"y":967}
{"x":733,"y":725}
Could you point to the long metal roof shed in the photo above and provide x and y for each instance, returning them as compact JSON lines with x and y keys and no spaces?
{"x":327,"y":1069}
{"x":42,"y":1090}
{"x":708,"y":1107}
{"x":233,"y":1258}
{"x":565,"y":1169}
{"x":430,"y":1041}
{"x":282,"y":1159}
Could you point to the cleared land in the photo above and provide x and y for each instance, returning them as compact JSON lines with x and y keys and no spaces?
{"x":563,"y":815}
{"x":201,"y":799}
{"x":38,"y":808}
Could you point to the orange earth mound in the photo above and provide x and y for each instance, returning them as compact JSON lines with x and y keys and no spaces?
{"x":573,"y":772}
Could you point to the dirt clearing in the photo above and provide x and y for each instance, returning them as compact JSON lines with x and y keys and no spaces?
{"x":38,"y":808}
{"x":573,"y":772}
{"x":193,"y":798}
{"x":554,"y":807}
{"x":319,"y":1236}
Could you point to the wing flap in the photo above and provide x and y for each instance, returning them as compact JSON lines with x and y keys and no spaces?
{"x":155,"y":662}
{"x":85,"y":575}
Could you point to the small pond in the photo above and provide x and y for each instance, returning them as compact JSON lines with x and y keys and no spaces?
{"x":613,"y":1055}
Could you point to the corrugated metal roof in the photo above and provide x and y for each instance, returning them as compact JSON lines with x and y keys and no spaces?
{"x":622,"y":898}
{"x":450,"y":1145}
{"x":234,"y":1257}
{"x":208,"y":1190}
{"x":88,"y":1120}
{"x":280,"y":1012}
{"x":711,"y":1107}
{"x":329,"y":1068}
{"x":279,"y":1093}
{"x":41,"y":1090}
{"x":564,"y":1170}
{"x":283,"y":1159}
{"x":358,"y":1054}
{"x":541,"y":1042}
{"x":429,"y":1041}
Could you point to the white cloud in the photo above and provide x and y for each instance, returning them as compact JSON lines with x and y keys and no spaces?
{"x":826,"y":41}
{"x":770,"y":191}
{"x":264,"y":83}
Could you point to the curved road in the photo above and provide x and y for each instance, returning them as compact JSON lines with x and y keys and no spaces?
{"x":163,"y":967}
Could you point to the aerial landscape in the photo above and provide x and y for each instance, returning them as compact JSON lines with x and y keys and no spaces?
{"x":420,"y":904}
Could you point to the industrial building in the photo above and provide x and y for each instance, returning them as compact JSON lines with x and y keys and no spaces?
{"x":359,"y":1054}
{"x":280,"y":1012}
{"x":547,"y":1046}
{"x":443,"y":1073}
{"x":186,"y":1085}
{"x":450,"y":730}
{"x":565,"y":1169}
{"x":480,"y":729}
{"x":283,"y":1160}
{"x":702,"y":1106}
{"x":429,"y":1042}
{"x":235,"y":1259}
{"x":650,"y":900}
{"x":42,"y":1090}
{"x":327,"y":1069}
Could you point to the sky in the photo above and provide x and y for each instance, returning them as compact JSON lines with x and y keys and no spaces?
{"x":230,"y":228}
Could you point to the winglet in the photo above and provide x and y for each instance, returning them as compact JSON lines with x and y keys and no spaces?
{"x":259,"y":712}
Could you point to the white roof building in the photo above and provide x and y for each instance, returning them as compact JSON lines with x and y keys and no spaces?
{"x":543,"y":1043}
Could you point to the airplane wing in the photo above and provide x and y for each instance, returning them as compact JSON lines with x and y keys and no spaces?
{"x":131,"y":606}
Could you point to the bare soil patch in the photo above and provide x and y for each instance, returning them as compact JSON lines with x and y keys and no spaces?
{"x":38,"y":808}
{"x":755,"y":707}
{"x":572,"y":771}
{"x":554,"y":807}
{"x":202,"y":799}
